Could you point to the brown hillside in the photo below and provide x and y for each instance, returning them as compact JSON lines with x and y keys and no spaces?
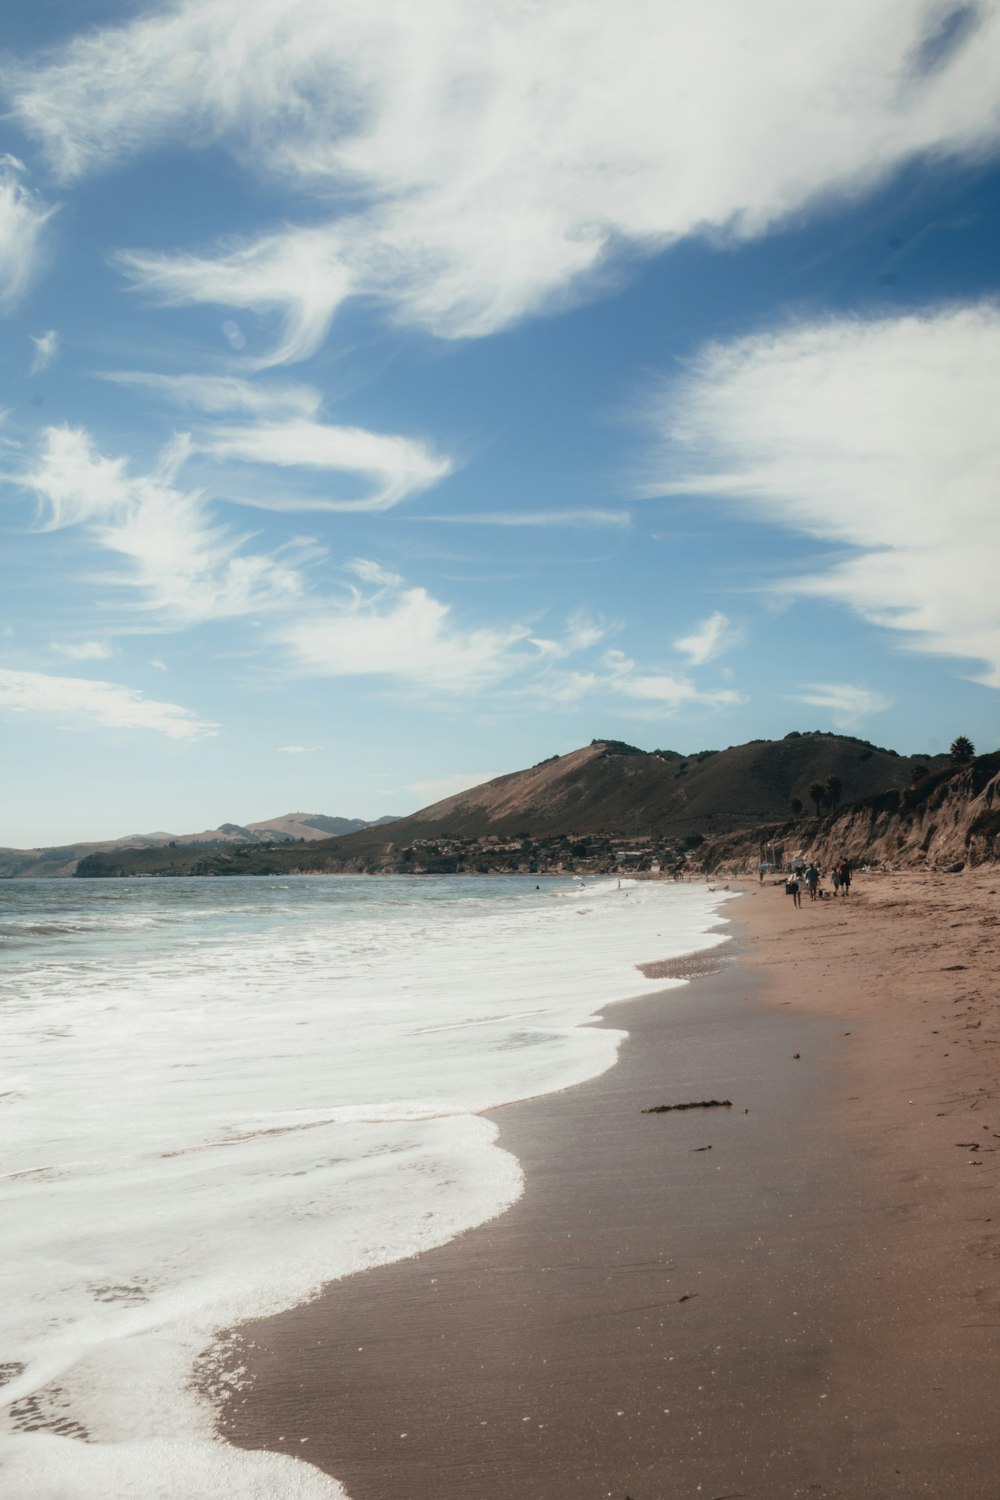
{"x":608,"y":786}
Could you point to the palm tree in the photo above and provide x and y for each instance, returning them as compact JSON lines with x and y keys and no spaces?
{"x":962,"y":750}
{"x":834,"y":788}
{"x":796,"y":807}
{"x":817,"y":792}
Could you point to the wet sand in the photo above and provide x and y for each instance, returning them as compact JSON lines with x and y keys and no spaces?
{"x":798,"y":1295}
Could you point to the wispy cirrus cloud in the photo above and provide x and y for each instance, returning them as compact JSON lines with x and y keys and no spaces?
{"x":708,"y":639}
{"x":396,"y":467}
{"x":287,"y":434}
{"x":846,"y":703}
{"x":403,"y":635}
{"x":487,"y":163}
{"x":23,"y":217}
{"x":652,"y":694}
{"x":662,"y":692}
{"x":878,"y":437}
{"x":182,"y":567}
{"x":46,"y":350}
{"x":73,"y":700}
{"x":301,"y":274}
{"x":83,"y":650}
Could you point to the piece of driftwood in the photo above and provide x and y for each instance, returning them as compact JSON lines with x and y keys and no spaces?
{"x":663,"y":1109}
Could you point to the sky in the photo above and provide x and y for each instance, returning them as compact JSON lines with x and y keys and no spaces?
{"x":394,"y":396}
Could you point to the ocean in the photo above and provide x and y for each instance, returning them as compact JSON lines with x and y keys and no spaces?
{"x":218,"y":1095}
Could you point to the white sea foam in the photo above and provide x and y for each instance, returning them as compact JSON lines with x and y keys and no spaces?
{"x":220,"y":1095}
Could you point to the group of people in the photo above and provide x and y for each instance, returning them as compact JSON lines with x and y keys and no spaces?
{"x":811,"y":876}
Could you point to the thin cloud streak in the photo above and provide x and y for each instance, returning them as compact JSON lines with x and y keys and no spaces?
{"x":46,"y":350}
{"x":846,"y":703}
{"x":618,"y":520}
{"x":225,"y":393}
{"x":23,"y":217}
{"x":77,"y":699}
{"x":83,"y":650}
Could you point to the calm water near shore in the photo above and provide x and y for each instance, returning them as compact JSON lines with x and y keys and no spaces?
{"x":218,"y":1095}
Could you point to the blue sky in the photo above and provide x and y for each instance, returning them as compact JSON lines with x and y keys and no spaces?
{"x":395,"y":396}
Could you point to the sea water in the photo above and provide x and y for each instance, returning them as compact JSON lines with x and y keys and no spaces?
{"x":217,"y":1095}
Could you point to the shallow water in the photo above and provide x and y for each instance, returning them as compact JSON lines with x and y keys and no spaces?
{"x":217,"y":1095}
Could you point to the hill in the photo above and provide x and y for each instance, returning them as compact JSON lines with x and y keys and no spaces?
{"x":578,"y":810}
{"x":62,"y":859}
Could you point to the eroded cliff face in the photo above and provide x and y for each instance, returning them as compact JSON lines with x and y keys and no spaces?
{"x":947,"y":821}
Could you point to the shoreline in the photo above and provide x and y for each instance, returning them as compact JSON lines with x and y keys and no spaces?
{"x":801,"y":1299}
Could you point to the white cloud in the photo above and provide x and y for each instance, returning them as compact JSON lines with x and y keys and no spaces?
{"x":299,"y":273}
{"x":403,"y":634}
{"x":582,"y":631}
{"x":297,"y":749}
{"x":285,"y":435}
{"x":23,"y":217}
{"x":395,"y":466}
{"x":46,"y":349}
{"x":708,"y":639}
{"x":880,"y":437}
{"x":83,"y":650}
{"x":652,"y":694}
{"x":185,"y":567}
{"x":663,"y":692}
{"x":107,"y":703}
{"x":845,"y":702}
{"x":491,"y":157}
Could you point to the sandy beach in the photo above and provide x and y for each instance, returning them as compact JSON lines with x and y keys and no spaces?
{"x":797,"y":1294}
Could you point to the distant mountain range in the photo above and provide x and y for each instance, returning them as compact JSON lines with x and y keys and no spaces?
{"x":62,"y":859}
{"x":592,"y":801}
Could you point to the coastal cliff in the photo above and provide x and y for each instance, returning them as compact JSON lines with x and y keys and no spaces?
{"x":947,"y":820}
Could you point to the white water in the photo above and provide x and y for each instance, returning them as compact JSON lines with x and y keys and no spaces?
{"x":218,"y":1095}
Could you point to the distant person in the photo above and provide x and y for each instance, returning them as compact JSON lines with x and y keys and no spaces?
{"x":835,"y":879}
{"x":812,"y":881}
{"x":793,"y":889}
{"x":762,"y":870}
{"x":844,"y":871}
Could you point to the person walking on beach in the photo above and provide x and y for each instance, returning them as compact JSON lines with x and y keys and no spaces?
{"x":793,"y":889}
{"x":812,"y":881}
{"x":844,"y":871}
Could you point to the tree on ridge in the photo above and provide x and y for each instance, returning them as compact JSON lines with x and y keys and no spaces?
{"x":817,"y":793}
{"x":962,"y":750}
{"x":834,"y":789}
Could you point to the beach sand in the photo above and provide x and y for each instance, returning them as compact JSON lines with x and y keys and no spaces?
{"x":796,"y":1295}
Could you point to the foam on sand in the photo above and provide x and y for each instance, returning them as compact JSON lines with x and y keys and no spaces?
{"x":248,"y":1092}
